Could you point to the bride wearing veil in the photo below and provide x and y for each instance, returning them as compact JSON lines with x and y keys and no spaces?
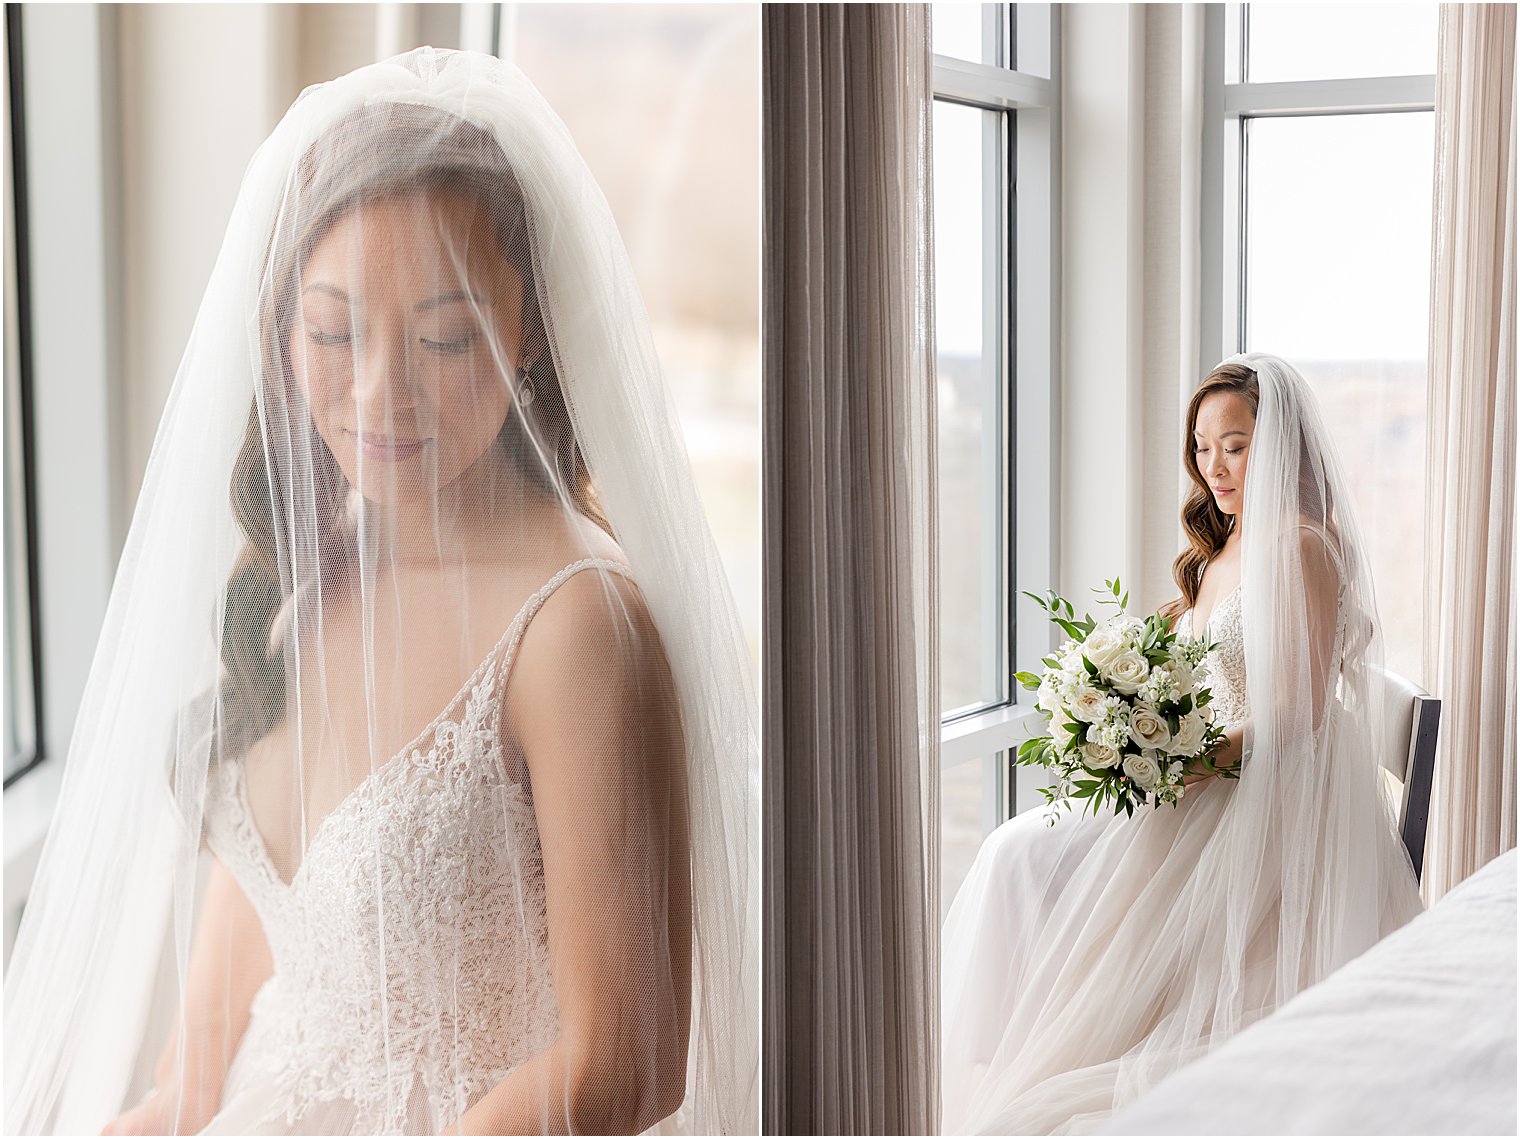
{"x":413,"y":785}
{"x":1085,"y":962}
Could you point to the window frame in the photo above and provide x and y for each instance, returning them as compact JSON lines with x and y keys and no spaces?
{"x":28,"y":751}
{"x":73,"y":325}
{"x":1230,"y":102}
{"x":1028,"y":299}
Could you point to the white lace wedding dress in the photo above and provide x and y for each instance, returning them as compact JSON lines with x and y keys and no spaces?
{"x":410,"y":953}
{"x":1046,"y":984}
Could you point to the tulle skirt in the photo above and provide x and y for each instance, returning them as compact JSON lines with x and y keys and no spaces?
{"x":1062,"y":955}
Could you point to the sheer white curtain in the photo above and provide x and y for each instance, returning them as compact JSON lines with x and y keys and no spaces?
{"x":1470,"y":496}
{"x":850,"y":639}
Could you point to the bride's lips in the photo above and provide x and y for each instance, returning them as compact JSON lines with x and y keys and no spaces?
{"x":1221,"y":491}
{"x":386,"y":448}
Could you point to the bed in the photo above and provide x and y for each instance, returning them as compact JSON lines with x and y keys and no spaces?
{"x":1416,"y":1036}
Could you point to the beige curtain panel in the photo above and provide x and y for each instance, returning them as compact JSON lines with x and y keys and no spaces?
{"x":850,"y":695}
{"x":1470,"y":445}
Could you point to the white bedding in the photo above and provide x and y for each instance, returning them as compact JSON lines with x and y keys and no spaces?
{"x":1416,"y":1036}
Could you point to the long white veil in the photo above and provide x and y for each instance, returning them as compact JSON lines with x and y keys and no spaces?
{"x":272,"y":644}
{"x":1086,"y":964}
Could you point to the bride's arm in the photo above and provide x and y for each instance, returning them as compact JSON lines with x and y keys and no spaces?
{"x":228,"y":962}
{"x":593,"y":706}
{"x":1321,"y":584}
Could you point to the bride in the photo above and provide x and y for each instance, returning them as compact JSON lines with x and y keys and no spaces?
{"x":1083,"y":963}
{"x":412,"y":786}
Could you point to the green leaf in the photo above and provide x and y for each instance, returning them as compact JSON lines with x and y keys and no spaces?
{"x":1029,"y":680}
{"x":1072,"y":631}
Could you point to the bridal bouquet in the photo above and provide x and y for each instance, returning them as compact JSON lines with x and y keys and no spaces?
{"x":1128,"y":706}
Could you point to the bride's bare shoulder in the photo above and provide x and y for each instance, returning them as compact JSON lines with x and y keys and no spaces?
{"x":1319,"y":547}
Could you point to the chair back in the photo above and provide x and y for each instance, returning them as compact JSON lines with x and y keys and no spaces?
{"x":1414,"y":717}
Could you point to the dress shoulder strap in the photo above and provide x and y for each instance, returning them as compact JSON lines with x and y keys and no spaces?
{"x":530,"y":608}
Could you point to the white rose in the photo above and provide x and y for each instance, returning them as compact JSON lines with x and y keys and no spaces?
{"x":1189,"y":737}
{"x":1143,"y":769}
{"x":1087,"y":704}
{"x":1127,"y":672}
{"x":1097,"y":754}
{"x":1103,"y":646}
{"x":1147,"y":728}
{"x":1058,"y":721}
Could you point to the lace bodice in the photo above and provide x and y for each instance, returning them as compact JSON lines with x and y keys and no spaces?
{"x":411,"y":946}
{"x":1227,"y":663}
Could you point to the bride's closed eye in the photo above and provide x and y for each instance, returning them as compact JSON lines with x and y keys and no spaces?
{"x":328,"y":339}
{"x":453,"y":347}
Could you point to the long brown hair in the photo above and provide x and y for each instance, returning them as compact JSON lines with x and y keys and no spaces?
{"x":1207,"y":526}
{"x":379,"y":152}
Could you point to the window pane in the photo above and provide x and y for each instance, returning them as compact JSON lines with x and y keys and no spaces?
{"x":1337,"y":281}
{"x":1339,"y":41}
{"x":970,"y":316}
{"x":972,"y":32}
{"x":969,"y":809}
{"x":663,"y":101}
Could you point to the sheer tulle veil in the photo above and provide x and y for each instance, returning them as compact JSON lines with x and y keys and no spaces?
{"x":1171,"y":931}
{"x":106,"y":941}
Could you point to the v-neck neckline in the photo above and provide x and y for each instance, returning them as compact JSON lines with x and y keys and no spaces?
{"x":1193,"y":625}
{"x":261,"y":848}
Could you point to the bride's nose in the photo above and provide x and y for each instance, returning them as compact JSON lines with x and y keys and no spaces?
{"x":383,"y":380}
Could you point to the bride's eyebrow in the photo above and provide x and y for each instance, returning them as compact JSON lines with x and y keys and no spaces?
{"x":421,"y":306}
{"x":449,"y":299}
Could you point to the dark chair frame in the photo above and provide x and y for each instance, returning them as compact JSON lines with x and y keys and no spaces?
{"x":1417,"y":777}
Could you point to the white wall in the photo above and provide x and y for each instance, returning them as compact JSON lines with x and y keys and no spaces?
{"x":1130,"y":127}
{"x":201,"y":87}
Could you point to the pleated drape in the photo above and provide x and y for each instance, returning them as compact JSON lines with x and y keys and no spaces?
{"x":850,"y":638}
{"x":1470,"y":566}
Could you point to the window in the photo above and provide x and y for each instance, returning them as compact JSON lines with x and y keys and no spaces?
{"x":680,"y":165}
{"x":1328,"y":154}
{"x":21,"y":687}
{"x":995,"y":169}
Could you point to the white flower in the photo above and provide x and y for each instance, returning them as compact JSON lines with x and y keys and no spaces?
{"x":1115,"y":734}
{"x":1143,"y":769}
{"x":1189,"y":737}
{"x":1087,"y":704}
{"x":1127,"y":672}
{"x":1103,"y":646}
{"x":1097,"y":754}
{"x":1049,"y":698}
{"x":1158,"y":688}
{"x":1147,"y":728}
{"x":1178,"y":674}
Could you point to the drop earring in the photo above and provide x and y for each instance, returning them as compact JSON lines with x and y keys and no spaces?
{"x":524,"y":388}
